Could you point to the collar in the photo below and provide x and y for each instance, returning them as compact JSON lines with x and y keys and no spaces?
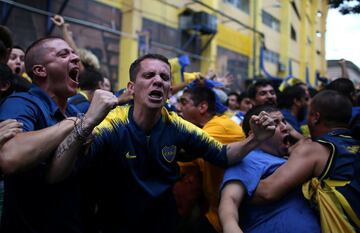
{"x":49,"y":103}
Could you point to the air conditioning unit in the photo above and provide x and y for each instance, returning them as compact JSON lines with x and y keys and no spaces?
{"x":199,"y":21}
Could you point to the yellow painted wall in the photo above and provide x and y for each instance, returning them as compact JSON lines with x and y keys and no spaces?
{"x":234,"y":41}
{"x":232,"y":35}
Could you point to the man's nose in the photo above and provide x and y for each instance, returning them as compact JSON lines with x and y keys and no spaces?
{"x":158,"y":80}
{"x":75,"y":58}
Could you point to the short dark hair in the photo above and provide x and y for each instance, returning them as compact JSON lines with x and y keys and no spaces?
{"x":256,"y":111}
{"x":6,"y":76}
{"x":252,"y":89}
{"x":343,"y":86}
{"x":335,"y":109}
{"x":89,"y":79}
{"x":243,"y":95}
{"x":199,"y":94}
{"x":235,"y":94}
{"x":5,"y":37}
{"x":6,"y":43}
{"x":18,"y":47}
{"x":135,"y":66}
{"x":290,"y":93}
{"x":33,"y":56}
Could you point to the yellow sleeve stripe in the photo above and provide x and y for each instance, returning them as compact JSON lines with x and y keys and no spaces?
{"x":118,"y":115}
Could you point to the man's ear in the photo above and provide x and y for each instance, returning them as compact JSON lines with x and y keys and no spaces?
{"x":316,"y":118}
{"x":297,"y":102}
{"x":130,"y":87}
{"x":4,"y":86}
{"x":203,"y":107}
{"x":39,"y":71}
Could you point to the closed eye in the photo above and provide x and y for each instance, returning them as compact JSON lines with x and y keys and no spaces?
{"x":63,"y":53}
{"x":149,"y":75}
{"x":165,"y":77}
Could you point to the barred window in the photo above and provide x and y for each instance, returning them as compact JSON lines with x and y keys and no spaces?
{"x":270,"y":21}
{"x":271,"y":56}
{"x":240,"y":4}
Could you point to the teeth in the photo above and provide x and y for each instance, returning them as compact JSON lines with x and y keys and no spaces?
{"x":155,"y":94}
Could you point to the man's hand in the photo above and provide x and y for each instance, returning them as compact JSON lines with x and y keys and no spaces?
{"x":58,"y":20}
{"x":262,"y":126}
{"x":101,"y":104}
{"x":342,"y":62}
{"x":8,"y":129}
{"x":125,"y":97}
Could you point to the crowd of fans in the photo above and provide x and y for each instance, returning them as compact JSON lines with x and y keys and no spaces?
{"x":78,"y":156}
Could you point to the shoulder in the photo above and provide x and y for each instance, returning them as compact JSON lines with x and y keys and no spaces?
{"x":311,"y":153}
{"x":19,"y":103}
{"x":117,"y":116}
{"x":307,"y":146}
{"x":173,"y":118}
{"x":224,"y":129}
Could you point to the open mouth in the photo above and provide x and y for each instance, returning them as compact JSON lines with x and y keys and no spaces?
{"x":156,"y":94}
{"x":17,"y":70}
{"x":73,"y":74}
{"x":288,"y":140}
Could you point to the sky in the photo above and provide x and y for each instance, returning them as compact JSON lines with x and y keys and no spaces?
{"x":343,"y":36}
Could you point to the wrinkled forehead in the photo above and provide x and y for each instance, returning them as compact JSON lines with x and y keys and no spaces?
{"x":55,"y":45}
{"x":154,"y":65}
{"x":17,"y":51}
{"x":267,"y":87}
{"x":276,"y":115}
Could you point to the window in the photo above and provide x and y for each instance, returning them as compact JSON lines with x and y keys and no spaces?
{"x":270,"y":21}
{"x":293,"y":4}
{"x":240,"y":4}
{"x":309,"y":41}
{"x":293,"y":33}
{"x":271,"y":56}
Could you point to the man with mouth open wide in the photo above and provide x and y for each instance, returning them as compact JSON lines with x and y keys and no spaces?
{"x":236,"y":211}
{"x":135,"y":152}
{"x":31,"y":204}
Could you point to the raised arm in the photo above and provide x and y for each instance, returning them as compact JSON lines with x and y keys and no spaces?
{"x":73,"y":145}
{"x":27,"y":149}
{"x":262,"y":126}
{"x":67,"y":34}
{"x":344,"y":71}
{"x":232,"y":195}
{"x":308,"y":159}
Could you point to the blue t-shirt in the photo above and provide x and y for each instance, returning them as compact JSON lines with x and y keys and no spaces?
{"x":80,"y":102}
{"x":291,"y":214}
{"x":30,"y":203}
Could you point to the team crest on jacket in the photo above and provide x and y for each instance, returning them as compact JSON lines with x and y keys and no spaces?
{"x":169,"y":153}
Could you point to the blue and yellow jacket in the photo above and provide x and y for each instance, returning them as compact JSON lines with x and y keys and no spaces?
{"x":136,"y":168}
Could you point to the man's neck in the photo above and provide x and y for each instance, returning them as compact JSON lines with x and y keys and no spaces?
{"x":294,"y":111}
{"x":146,"y":118}
{"x":320,"y":130}
{"x":60,"y":101}
{"x":205,"y":119}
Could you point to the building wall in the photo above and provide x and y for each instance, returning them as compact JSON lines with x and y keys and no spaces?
{"x":334,"y":72}
{"x":141,"y":26}
{"x":28,"y":26}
